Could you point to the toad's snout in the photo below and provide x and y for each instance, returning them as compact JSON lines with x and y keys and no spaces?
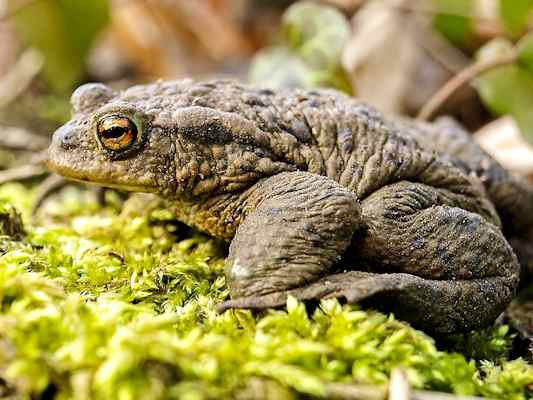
{"x":64,"y":137}
{"x":67,"y":151}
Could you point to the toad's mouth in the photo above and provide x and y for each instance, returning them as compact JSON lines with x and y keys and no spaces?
{"x":118,"y":186}
{"x":99,"y":176}
{"x":76,"y":176}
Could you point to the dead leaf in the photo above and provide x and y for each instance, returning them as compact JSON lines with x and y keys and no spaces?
{"x":380,"y":40}
{"x":503,"y":141}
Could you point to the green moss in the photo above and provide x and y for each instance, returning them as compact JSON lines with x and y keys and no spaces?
{"x":99,"y":303}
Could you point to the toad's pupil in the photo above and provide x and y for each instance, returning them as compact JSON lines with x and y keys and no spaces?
{"x":115,"y":132}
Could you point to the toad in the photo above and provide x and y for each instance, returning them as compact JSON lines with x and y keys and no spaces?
{"x":318,"y":194}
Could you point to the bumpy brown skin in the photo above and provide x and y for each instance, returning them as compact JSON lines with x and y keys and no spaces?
{"x":319,"y":194}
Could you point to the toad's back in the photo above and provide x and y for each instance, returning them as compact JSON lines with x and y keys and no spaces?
{"x":322,"y":132}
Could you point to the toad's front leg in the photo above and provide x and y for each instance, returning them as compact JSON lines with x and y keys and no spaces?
{"x":300,"y":226}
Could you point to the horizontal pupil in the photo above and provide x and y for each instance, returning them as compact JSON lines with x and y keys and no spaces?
{"x":115,"y":132}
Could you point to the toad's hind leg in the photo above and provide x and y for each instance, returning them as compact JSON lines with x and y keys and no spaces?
{"x":450,"y":269}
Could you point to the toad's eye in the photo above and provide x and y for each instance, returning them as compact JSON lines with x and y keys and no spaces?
{"x":117,"y":133}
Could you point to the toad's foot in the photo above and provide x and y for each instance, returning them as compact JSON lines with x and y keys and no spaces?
{"x":434,"y":306}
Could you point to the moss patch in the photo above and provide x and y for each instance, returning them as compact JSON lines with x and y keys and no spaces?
{"x":113,"y":304}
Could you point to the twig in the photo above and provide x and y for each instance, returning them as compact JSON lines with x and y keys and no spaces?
{"x":48,"y":187}
{"x":437,"y":47}
{"x":424,"y":7}
{"x":16,"y":81}
{"x":399,"y":388}
{"x":423,"y":395}
{"x":462,"y":78}
{"x":344,"y":391}
{"x":16,"y":138}
{"x":21,"y":173}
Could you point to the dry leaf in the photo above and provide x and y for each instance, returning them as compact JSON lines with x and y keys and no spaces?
{"x":503,"y":141}
{"x":379,"y":41}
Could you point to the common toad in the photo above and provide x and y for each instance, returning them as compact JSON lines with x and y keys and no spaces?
{"x":319,"y":194}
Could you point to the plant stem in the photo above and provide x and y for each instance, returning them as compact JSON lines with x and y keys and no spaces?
{"x":462,"y":78}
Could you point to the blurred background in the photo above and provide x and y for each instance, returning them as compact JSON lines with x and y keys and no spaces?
{"x":396,"y":54}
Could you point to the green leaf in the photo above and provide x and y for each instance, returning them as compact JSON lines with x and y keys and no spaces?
{"x":507,"y":89}
{"x":63,"y":30}
{"x":279,"y":67}
{"x":313,"y":38}
{"x":524,"y":50}
{"x":453,"y":20}
{"x":317,"y":32}
{"x":515,"y":15}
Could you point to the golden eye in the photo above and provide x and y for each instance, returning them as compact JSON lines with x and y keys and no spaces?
{"x":117,"y":133}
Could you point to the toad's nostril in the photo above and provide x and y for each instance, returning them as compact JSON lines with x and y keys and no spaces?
{"x":65,"y":137}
